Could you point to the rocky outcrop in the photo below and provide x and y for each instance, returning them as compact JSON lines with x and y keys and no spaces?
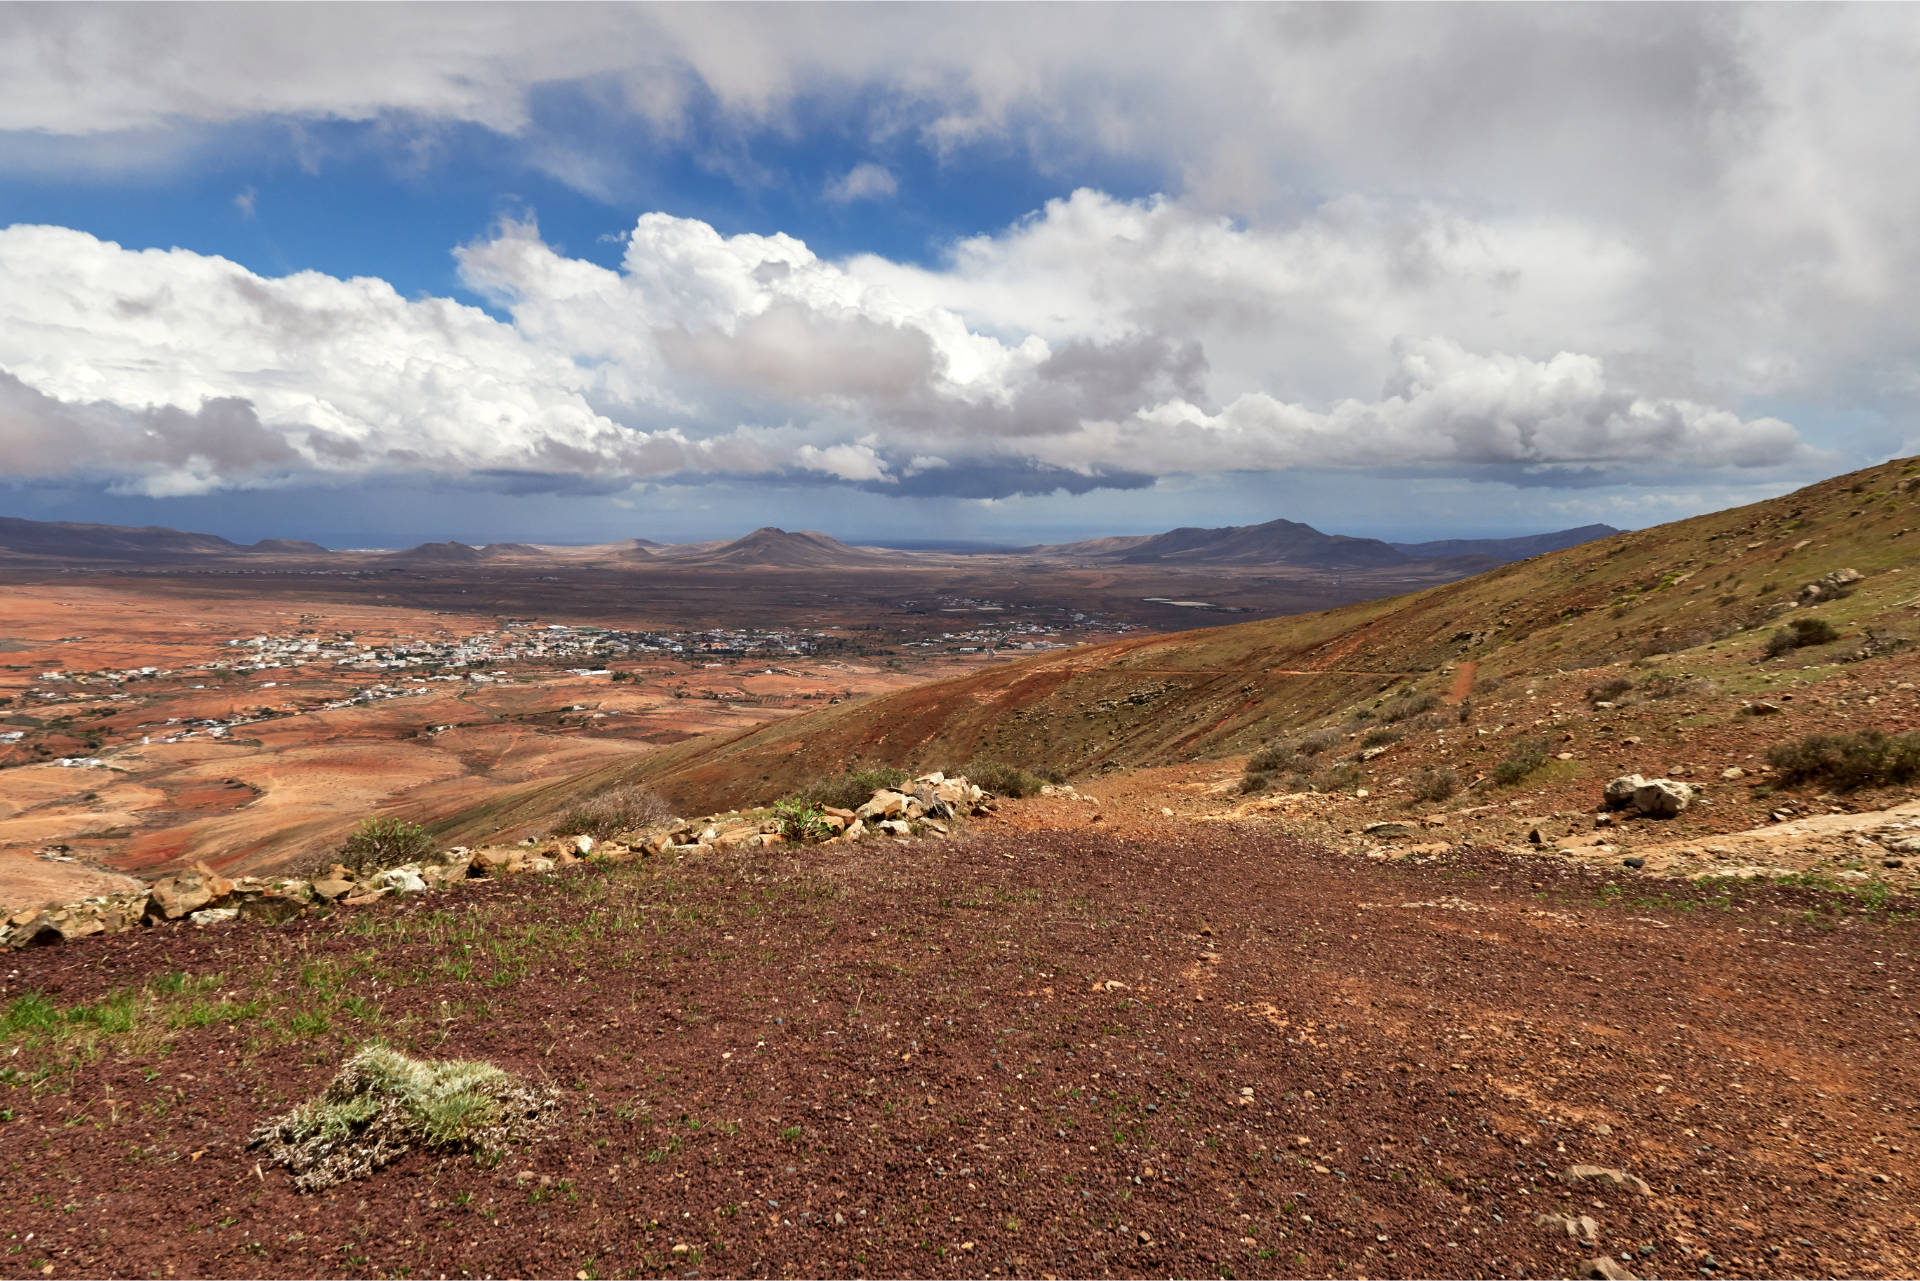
{"x":201,"y":897}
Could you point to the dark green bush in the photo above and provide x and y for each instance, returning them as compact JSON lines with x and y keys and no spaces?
{"x":1523,"y":758}
{"x":1869,"y":758}
{"x":1002,"y":779}
{"x":801,"y":824}
{"x":625,"y":808}
{"x":850,"y":790}
{"x":385,"y":842}
{"x":1799,"y":634}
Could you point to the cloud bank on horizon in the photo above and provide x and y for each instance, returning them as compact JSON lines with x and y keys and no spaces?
{"x":1532,"y":244}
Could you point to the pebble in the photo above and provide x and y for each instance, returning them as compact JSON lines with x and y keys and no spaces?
{"x":1635,"y":862}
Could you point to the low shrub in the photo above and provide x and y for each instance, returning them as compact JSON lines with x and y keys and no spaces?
{"x":385,"y":842}
{"x":1609,"y":691}
{"x":1380,"y":736}
{"x":1338,"y":778}
{"x":1674,"y":684}
{"x":1435,"y":785}
{"x":801,"y":824}
{"x":1522,"y":759}
{"x":618,"y":809}
{"x":1253,"y":783}
{"x":1868,"y":758}
{"x":850,"y":790}
{"x":1799,"y":634}
{"x":383,"y":1103}
{"x":1002,"y":779}
{"x":1408,"y":704}
{"x":1320,"y":740}
{"x":1280,"y":756}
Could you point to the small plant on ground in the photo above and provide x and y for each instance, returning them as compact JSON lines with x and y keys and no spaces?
{"x":1434,"y":785}
{"x":1253,"y":782}
{"x":1280,"y":756}
{"x":1522,"y":759}
{"x":850,"y":790}
{"x":1609,"y":691}
{"x":1002,"y":779}
{"x":1338,"y":778}
{"x":382,"y":1103}
{"x":1379,"y":736}
{"x":618,"y":809}
{"x":385,"y":842}
{"x":1799,"y":634}
{"x":1320,"y":740}
{"x":801,"y":824}
{"x":1868,"y":758}
{"x":1407,"y":705}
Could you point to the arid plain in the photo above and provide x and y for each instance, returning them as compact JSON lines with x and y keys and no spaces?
{"x":249,"y":713}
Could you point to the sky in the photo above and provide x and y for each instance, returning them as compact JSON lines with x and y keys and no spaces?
{"x":378,"y":274}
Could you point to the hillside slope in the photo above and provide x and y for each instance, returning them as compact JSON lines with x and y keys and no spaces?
{"x":1207,"y":693}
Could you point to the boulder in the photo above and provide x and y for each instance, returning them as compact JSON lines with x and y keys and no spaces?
{"x":1831,"y":586}
{"x":173,"y":897}
{"x":334,"y":883}
{"x":1575,"y":1227}
{"x":1661,"y":797}
{"x":1605,"y":1268}
{"x":212,"y":915}
{"x":29,"y":929}
{"x":496,"y":861}
{"x":895,"y":827}
{"x":884,"y":804}
{"x":856,"y":829}
{"x":1619,"y":792}
{"x":405,"y":879}
{"x":583,"y":845}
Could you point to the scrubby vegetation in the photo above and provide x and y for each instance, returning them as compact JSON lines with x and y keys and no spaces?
{"x":616,"y":810}
{"x":1522,"y":759}
{"x":383,"y":1103}
{"x":1251,"y":783}
{"x":1434,"y":785}
{"x":1869,"y":758}
{"x":1799,"y":634}
{"x":849,"y":790}
{"x":1003,"y":779}
{"x":385,"y":842}
{"x":1408,"y":705}
{"x":802,"y":824}
{"x":1609,"y":690}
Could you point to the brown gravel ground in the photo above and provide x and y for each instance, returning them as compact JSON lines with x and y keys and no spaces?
{"x":1214,"y":1051}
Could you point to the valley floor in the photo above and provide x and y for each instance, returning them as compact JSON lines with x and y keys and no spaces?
{"x":1174,"y":1048}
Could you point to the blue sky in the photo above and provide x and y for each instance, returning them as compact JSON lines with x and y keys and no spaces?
{"x":374,"y":276}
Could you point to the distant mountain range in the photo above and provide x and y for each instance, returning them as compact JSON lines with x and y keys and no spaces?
{"x":1277,"y":543}
{"x":66,"y":539}
{"x":1290,"y":543}
{"x":1506,"y":549}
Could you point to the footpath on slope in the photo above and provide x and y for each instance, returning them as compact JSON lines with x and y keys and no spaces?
{"x":1137,"y":1046}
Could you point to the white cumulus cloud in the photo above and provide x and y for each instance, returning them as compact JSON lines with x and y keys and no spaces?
{"x":1098,"y":342}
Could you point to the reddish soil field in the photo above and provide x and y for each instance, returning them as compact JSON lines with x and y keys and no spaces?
{"x":1203,"y":1050}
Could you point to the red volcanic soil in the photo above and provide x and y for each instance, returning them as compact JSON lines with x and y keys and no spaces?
{"x":1186,"y":1050}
